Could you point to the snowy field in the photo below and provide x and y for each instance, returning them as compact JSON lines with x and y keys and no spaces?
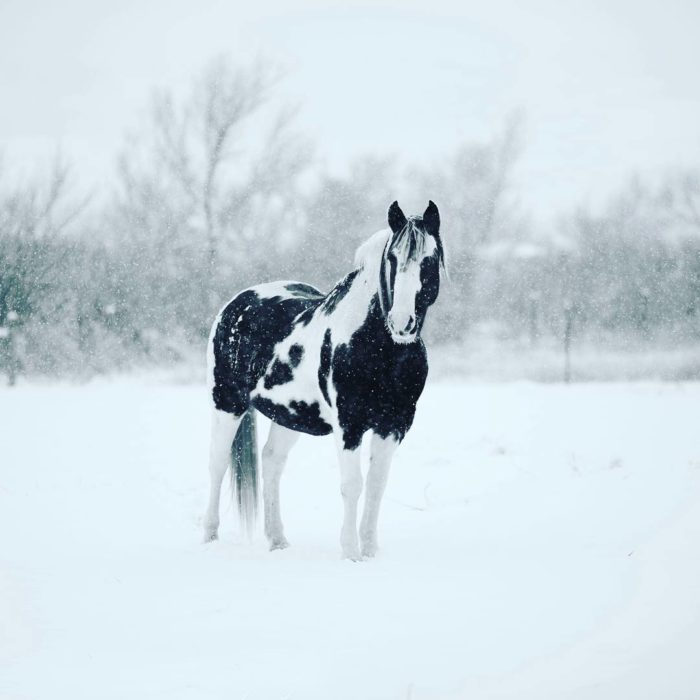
{"x":537,"y":542}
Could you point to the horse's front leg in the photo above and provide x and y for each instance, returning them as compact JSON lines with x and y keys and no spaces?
{"x":382,"y":450}
{"x":350,"y":489}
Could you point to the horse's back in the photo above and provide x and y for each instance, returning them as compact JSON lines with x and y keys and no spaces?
{"x":245,"y":333}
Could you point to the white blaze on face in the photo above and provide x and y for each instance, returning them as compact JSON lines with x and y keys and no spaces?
{"x":407,"y":283}
{"x":402,"y":316}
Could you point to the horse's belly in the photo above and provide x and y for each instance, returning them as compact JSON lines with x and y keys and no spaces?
{"x":297,"y":414}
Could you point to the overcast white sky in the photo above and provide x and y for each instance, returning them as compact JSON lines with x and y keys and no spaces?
{"x":608,"y":88}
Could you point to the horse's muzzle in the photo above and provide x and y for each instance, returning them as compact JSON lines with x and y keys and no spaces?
{"x":407,"y":334}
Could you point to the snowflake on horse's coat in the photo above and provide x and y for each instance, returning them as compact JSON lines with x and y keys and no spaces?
{"x":346,"y":363}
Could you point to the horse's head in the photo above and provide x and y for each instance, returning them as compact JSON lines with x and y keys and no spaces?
{"x":409,"y":276}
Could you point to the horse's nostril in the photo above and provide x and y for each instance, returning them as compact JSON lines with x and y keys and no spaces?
{"x":410,"y":326}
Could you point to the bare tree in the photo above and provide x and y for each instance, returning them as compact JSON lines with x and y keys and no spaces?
{"x":207,"y":167}
{"x":680,"y":195}
{"x":32,"y":218}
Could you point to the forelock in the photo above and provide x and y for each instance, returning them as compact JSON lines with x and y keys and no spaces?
{"x":412,"y":243}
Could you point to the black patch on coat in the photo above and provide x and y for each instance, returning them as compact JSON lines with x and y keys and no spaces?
{"x":430,"y":287}
{"x":386,"y":285}
{"x":378,"y":381}
{"x":299,"y":415}
{"x":296,"y":353}
{"x":306,"y":316}
{"x":324,"y":366}
{"x":249,"y":328}
{"x":338,"y":292}
{"x":299,"y":289}
{"x":280,"y":373}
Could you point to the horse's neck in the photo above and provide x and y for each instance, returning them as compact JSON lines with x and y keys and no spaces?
{"x":355,"y":307}
{"x":360,"y":308}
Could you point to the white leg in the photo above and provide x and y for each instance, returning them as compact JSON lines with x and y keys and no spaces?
{"x":274,"y":457}
{"x":350,"y":488}
{"x":223,"y":429}
{"x":381,"y":453}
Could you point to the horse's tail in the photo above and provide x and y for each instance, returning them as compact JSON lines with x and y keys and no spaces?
{"x":245,"y":471}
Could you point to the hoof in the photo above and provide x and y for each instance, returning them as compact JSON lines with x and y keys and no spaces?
{"x":210,"y":536}
{"x":352,"y":556}
{"x":369,"y":546}
{"x":278,"y":544}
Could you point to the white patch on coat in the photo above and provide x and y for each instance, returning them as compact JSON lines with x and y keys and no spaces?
{"x":278,"y":288}
{"x":304,"y":385}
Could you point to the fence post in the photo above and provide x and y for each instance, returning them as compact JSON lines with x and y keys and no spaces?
{"x":568,"y":330}
{"x":534,"y":298}
{"x":8,"y":346}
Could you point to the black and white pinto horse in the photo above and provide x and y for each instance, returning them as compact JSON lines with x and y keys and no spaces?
{"x":346,"y":363}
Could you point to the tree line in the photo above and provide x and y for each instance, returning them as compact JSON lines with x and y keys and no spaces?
{"x":220,"y":189}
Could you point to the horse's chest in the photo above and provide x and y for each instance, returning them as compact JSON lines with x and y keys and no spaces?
{"x":381,"y":378}
{"x":377,"y":388}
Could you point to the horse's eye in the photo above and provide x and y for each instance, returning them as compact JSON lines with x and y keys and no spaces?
{"x":430,"y":280}
{"x":428,"y":270}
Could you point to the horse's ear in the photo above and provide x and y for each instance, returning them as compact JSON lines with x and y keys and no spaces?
{"x":431,"y":219}
{"x":397,"y":220}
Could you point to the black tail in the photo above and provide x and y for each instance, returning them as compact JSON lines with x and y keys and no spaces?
{"x":244,"y":452}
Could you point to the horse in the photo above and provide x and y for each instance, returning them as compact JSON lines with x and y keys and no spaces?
{"x":345,"y":363}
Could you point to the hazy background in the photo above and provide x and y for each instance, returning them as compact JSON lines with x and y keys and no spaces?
{"x":560,"y":141}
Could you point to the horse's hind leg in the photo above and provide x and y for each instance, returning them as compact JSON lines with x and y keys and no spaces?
{"x":223,"y":429}
{"x":274,"y":457}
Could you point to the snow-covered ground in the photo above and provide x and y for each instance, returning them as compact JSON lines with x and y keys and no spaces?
{"x":538,"y":542}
